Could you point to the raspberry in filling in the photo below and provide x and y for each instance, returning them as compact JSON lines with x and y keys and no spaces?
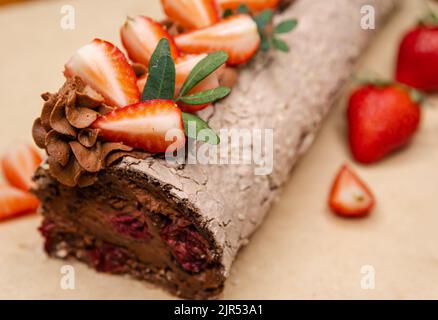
{"x":132,"y":226}
{"x":107,"y":258}
{"x":187,"y":246}
{"x":46,"y":230}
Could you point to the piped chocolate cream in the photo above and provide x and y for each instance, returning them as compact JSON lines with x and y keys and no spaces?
{"x":75,"y":153}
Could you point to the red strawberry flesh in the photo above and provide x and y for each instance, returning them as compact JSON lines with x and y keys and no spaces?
{"x":105,"y":68}
{"x":19,"y":165}
{"x":15,"y":202}
{"x":140,"y":36}
{"x":253,"y":5}
{"x":237,"y":35}
{"x":350,"y":197}
{"x":153,"y":126}
{"x":191,"y":14}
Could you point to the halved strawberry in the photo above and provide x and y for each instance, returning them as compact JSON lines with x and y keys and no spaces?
{"x":141,"y":82}
{"x":153,"y":126}
{"x":191,"y":14}
{"x":105,"y":68}
{"x":350,"y":197}
{"x":253,"y":5}
{"x":140,"y":36}
{"x":15,"y":202}
{"x":237,"y":35}
{"x":19,"y":165}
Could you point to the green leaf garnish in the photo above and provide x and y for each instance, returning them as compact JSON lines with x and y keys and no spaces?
{"x":202,"y":70}
{"x":263,"y":18}
{"x":264,"y":44}
{"x":200,"y":125}
{"x":161,"y":78}
{"x":162,"y":48}
{"x":286,"y":26}
{"x":280,"y":45}
{"x":206,"y":96}
{"x":267,"y":37}
{"x":243,"y":9}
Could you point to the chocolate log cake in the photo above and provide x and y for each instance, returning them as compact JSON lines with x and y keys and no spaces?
{"x":181,"y":225}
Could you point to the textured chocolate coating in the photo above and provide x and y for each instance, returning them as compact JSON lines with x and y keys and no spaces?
{"x":290,"y":93}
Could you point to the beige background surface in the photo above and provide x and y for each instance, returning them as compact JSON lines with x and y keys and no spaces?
{"x":302,"y":250}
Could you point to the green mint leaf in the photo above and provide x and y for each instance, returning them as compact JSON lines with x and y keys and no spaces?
{"x":263,"y":19}
{"x":264,"y":45}
{"x":286,"y":26}
{"x":193,"y":121}
{"x":162,"y":48}
{"x":202,"y":70}
{"x":161,"y":80}
{"x":243,"y":8}
{"x":227,"y":13}
{"x":207,"y":96}
{"x":280,"y":45}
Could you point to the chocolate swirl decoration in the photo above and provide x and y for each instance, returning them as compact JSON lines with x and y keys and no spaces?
{"x":75,"y":152}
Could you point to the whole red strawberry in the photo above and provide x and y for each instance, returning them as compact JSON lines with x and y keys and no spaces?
{"x":381,"y":119}
{"x":417,"y":64}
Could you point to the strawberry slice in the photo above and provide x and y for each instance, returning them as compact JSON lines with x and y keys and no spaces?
{"x":253,"y":5}
{"x":350,"y":197}
{"x":141,"y":82}
{"x":15,"y":202}
{"x":237,"y":35}
{"x":145,"y":126}
{"x":19,"y":164}
{"x":191,"y":14}
{"x":105,"y":68}
{"x":140,"y":37}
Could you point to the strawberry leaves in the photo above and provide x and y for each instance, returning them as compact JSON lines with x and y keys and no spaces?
{"x":161,"y":85}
